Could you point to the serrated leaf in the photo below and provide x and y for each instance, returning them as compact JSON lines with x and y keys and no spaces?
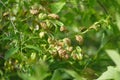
{"x":114,"y":56}
{"x":11,"y":52}
{"x":56,"y":7}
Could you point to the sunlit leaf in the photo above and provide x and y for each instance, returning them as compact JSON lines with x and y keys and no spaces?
{"x":111,"y":73}
{"x":114,"y":56}
{"x":56,"y":7}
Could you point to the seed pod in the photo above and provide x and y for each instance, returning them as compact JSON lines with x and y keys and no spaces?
{"x":41,"y":8}
{"x":50,"y":40}
{"x":5,"y":14}
{"x":53,"y":52}
{"x":53,"y":16}
{"x":33,"y":56}
{"x":36,"y":27}
{"x":74,"y":56}
{"x":34,"y":11}
{"x":70,"y":49}
{"x":62,"y":52}
{"x":58,"y":48}
{"x":63,"y":29}
{"x":42,"y":16}
{"x":43,"y":25}
{"x":67,"y":41}
{"x":16,"y":61}
{"x":77,"y":56}
{"x":66,"y":56}
{"x":79,"y":38}
{"x":41,"y":34}
{"x":60,"y":43}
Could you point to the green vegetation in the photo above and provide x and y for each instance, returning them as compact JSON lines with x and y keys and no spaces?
{"x":59,"y":39}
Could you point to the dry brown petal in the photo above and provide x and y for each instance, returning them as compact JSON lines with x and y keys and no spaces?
{"x":61,"y":52}
{"x":62,"y":29}
{"x":60,"y":43}
{"x":67,"y":41}
{"x":70,"y":49}
{"x":54,"y":16}
{"x":43,"y":25}
{"x":66,"y":56}
{"x":34,"y":11}
{"x":58,"y":48}
{"x":79,"y":38}
{"x":5,"y":14}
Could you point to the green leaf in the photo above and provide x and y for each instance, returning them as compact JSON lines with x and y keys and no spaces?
{"x":32,"y":47}
{"x":112,"y":72}
{"x":11,"y":52}
{"x":109,"y":74}
{"x":74,"y":74}
{"x":56,"y":7}
{"x":56,"y":75}
{"x":114,"y":56}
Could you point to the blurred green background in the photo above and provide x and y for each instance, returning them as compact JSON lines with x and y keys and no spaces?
{"x":59,"y":39}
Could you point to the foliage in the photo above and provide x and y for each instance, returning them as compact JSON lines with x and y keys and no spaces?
{"x":112,"y":72}
{"x":59,"y":39}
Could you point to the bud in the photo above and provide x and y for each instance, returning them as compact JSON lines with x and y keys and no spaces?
{"x":58,"y":48}
{"x":60,"y":43}
{"x":63,"y":29}
{"x":77,"y":56}
{"x":10,"y":62}
{"x":33,"y":56}
{"x":70,"y":49}
{"x":54,"y":52}
{"x":79,"y":38}
{"x":50,"y":40}
{"x":67,"y":41}
{"x":66,"y":56}
{"x":42,"y":16}
{"x":42,"y":34}
{"x":74,"y":56}
{"x":43,"y":25}
{"x":16,"y":61}
{"x":5,"y":14}
{"x":62,"y":52}
{"x":36,"y":27}
{"x":34,"y":11}
{"x":53,"y":16}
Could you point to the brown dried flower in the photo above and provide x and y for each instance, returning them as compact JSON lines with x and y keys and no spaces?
{"x":53,"y":16}
{"x":79,"y":38}
{"x":67,"y":41}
